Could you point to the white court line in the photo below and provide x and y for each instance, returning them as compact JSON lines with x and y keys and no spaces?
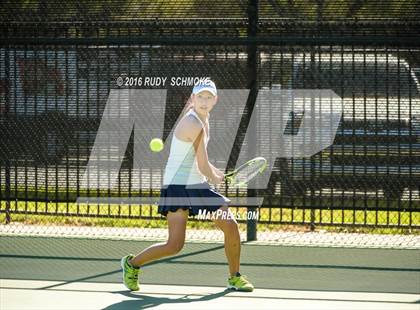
{"x":28,"y":294}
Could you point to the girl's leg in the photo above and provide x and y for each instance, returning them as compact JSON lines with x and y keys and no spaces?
{"x":177,"y":222}
{"x":230,"y":228}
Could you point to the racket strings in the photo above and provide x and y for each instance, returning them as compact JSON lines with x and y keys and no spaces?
{"x":247,"y":173}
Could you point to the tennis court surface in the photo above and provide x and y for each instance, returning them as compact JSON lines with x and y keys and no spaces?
{"x":81,"y":273}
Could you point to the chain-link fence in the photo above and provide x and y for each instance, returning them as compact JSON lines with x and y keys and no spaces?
{"x":56,"y":77}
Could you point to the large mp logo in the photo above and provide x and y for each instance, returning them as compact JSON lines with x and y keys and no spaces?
{"x":284,"y":123}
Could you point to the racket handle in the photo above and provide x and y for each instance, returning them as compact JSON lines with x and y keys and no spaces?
{"x":228,"y":178}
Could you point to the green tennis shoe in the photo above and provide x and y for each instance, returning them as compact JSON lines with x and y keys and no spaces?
{"x":130,"y":274}
{"x":240,"y":283}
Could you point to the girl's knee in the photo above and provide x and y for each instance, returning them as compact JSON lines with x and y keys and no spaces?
{"x":233,"y":226}
{"x":174,"y":247}
{"x":230,"y":226}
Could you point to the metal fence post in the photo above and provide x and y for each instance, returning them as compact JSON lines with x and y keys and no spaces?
{"x":7,"y":151}
{"x":252,"y":64}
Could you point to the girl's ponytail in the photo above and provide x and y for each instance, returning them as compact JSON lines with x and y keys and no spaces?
{"x":188,"y":106}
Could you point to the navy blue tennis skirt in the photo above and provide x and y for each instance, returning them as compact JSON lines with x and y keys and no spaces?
{"x":193,"y":197}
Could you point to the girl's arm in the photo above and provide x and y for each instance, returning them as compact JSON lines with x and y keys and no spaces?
{"x":204,"y":165}
{"x":197,"y":134}
{"x":191,"y":130}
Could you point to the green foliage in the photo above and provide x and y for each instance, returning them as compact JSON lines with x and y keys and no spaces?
{"x":131,"y":216}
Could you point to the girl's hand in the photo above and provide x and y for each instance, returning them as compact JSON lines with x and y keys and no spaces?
{"x":218,"y":172}
{"x":220,"y":176}
{"x":217,"y":179}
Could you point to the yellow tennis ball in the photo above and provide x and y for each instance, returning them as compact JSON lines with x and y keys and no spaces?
{"x":156,"y":145}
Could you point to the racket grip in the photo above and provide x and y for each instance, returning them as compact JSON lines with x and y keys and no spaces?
{"x":228,"y":178}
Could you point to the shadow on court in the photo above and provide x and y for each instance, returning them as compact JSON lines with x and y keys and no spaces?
{"x":145,"y":301}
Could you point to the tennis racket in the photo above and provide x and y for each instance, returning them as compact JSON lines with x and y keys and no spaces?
{"x":246,"y":172}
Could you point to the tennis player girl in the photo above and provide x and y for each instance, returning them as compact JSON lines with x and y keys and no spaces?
{"x":185,"y":186}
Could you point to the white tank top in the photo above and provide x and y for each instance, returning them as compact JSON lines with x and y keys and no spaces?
{"x":182,"y":167}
